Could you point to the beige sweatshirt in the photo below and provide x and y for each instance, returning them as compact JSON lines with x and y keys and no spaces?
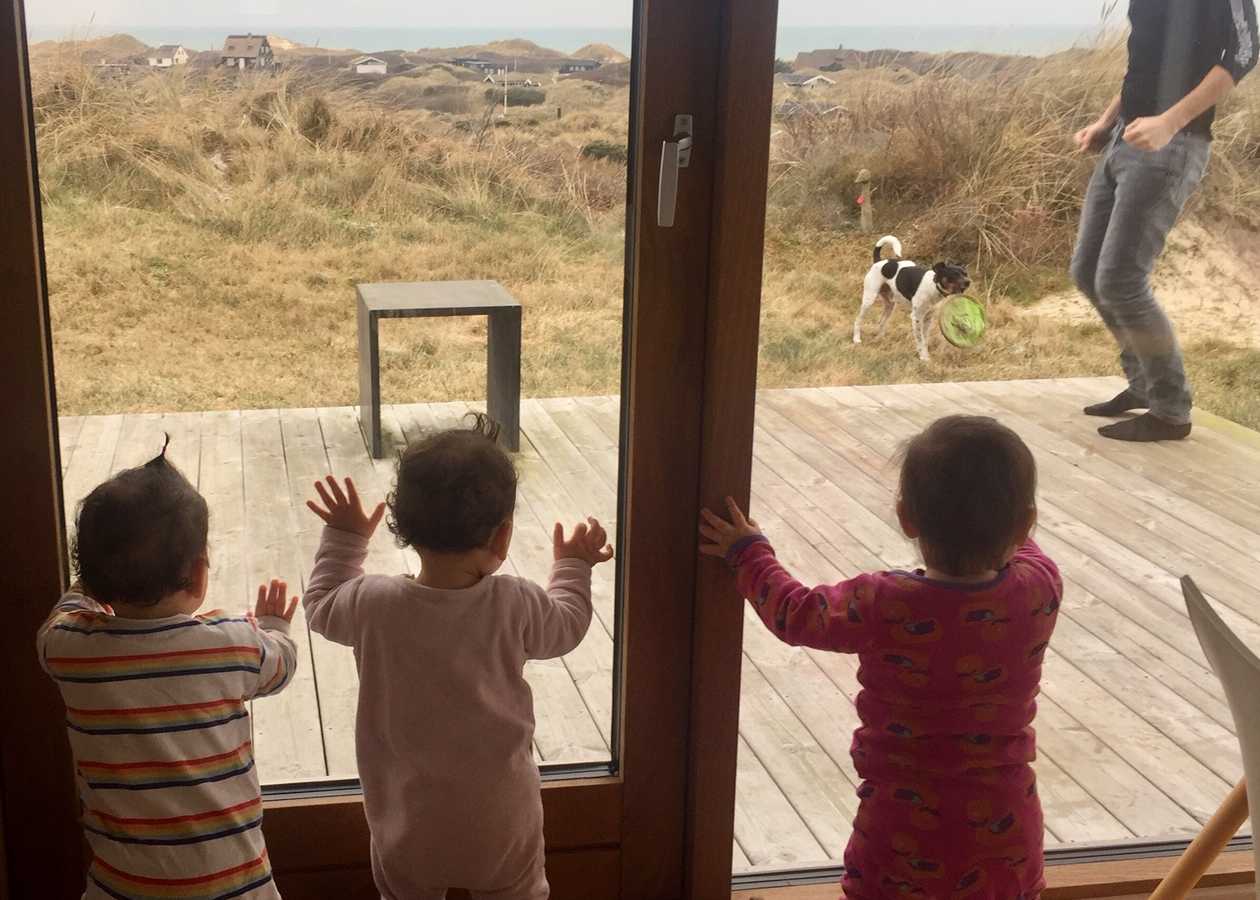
{"x":446,"y":719}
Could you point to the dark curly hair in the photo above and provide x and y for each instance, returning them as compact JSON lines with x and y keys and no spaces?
{"x":453,"y":490}
{"x":969,"y":485}
{"x":139,"y":536}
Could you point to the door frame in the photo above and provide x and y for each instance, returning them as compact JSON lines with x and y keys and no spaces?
{"x":38,"y":803}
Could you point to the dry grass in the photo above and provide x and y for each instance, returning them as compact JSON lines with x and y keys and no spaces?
{"x":204,"y":234}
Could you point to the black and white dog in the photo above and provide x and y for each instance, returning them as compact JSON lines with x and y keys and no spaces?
{"x":900,"y":279}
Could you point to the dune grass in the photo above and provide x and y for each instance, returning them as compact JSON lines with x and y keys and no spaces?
{"x":204,"y":233}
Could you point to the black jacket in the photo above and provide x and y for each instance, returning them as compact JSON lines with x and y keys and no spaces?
{"x":1176,"y":43}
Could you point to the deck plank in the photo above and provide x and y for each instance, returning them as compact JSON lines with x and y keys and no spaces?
{"x":803,"y":771}
{"x":348,"y":456}
{"x":1148,"y":575}
{"x":68,"y":430}
{"x":552,"y":498}
{"x":288,"y":745}
{"x":1203,"y":459}
{"x":767,"y":826}
{"x":1121,"y":790}
{"x":336,"y":680}
{"x":221,"y":480}
{"x":1119,"y":468}
{"x":92,"y":462}
{"x":1237,"y":465}
{"x":589,"y":667}
{"x":573,"y":696}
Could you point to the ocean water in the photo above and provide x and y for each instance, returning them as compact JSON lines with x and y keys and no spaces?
{"x":1027,"y":39}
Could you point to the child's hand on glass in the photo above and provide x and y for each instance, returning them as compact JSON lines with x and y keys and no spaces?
{"x":343,"y":510}
{"x":720,"y":534}
{"x":589,"y":543}
{"x":271,"y":601}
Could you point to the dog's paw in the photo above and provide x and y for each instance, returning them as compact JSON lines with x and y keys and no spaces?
{"x":857,"y":339}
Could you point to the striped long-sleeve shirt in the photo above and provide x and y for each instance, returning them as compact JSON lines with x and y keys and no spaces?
{"x":157,"y":719}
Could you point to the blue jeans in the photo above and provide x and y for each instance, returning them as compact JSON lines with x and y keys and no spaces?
{"x":1134,"y":200}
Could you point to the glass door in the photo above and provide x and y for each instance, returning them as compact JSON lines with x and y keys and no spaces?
{"x":954,"y":137}
{"x":215,"y":194}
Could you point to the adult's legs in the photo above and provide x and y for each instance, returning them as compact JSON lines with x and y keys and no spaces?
{"x":1096,"y":216}
{"x":1151,"y":189}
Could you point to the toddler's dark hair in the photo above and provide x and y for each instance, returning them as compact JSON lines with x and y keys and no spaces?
{"x":969,"y":485}
{"x":454,"y":489}
{"x":138,"y":536}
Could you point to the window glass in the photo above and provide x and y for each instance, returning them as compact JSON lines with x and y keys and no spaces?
{"x":951,"y":128}
{"x":217,"y":181}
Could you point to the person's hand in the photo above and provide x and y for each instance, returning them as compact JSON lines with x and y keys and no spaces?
{"x":1150,"y":133}
{"x":343,"y":510}
{"x":589,"y":543}
{"x":720,"y":534}
{"x":271,"y":601}
{"x":1091,"y":137}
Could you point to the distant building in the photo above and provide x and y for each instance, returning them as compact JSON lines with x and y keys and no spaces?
{"x":370,"y":65}
{"x":477,"y":64}
{"x":569,"y":66}
{"x":505,"y":79}
{"x":808,"y":81}
{"x":247,"y":51}
{"x":822,"y":60}
{"x":107,"y":69}
{"x":168,"y":56}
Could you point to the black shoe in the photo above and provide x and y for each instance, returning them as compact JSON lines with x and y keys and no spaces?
{"x":1121,"y":403}
{"x":1145,"y":428}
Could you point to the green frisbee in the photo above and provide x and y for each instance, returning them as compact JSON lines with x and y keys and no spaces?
{"x":962,"y":321}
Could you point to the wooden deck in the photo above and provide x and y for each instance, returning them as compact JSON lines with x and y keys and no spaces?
{"x":1135,"y":738}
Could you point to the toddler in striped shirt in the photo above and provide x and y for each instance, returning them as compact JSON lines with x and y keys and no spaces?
{"x":156,"y":696}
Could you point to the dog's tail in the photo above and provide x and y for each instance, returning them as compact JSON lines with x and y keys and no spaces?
{"x":887,"y":241}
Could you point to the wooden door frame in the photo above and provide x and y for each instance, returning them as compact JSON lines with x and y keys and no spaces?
{"x":38,"y":802}
{"x":744,"y":99}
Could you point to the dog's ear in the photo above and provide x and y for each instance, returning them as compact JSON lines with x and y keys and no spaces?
{"x":939,"y":268}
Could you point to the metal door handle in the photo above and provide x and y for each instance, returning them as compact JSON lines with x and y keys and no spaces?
{"x":675,"y":155}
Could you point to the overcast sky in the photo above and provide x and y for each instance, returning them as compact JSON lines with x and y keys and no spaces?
{"x":537,"y":13}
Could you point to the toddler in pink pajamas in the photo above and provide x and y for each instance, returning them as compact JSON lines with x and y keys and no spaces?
{"x":949,"y":666}
{"x":446,"y":719}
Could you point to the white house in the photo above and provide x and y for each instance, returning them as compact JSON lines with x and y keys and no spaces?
{"x":168,"y":56}
{"x":569,"y":66}
{"x":370,"y":65}
{"x":505,"y":79}
{"x":814,"y":81}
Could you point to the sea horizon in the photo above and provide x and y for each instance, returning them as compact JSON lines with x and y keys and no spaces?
{"x":1035,"y":40}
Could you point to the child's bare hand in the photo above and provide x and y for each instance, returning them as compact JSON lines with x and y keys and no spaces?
{"x":589,"y":543}
{"x":720,"y":534}
{"x":343,"y":510}
{"x":271,"y":601}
